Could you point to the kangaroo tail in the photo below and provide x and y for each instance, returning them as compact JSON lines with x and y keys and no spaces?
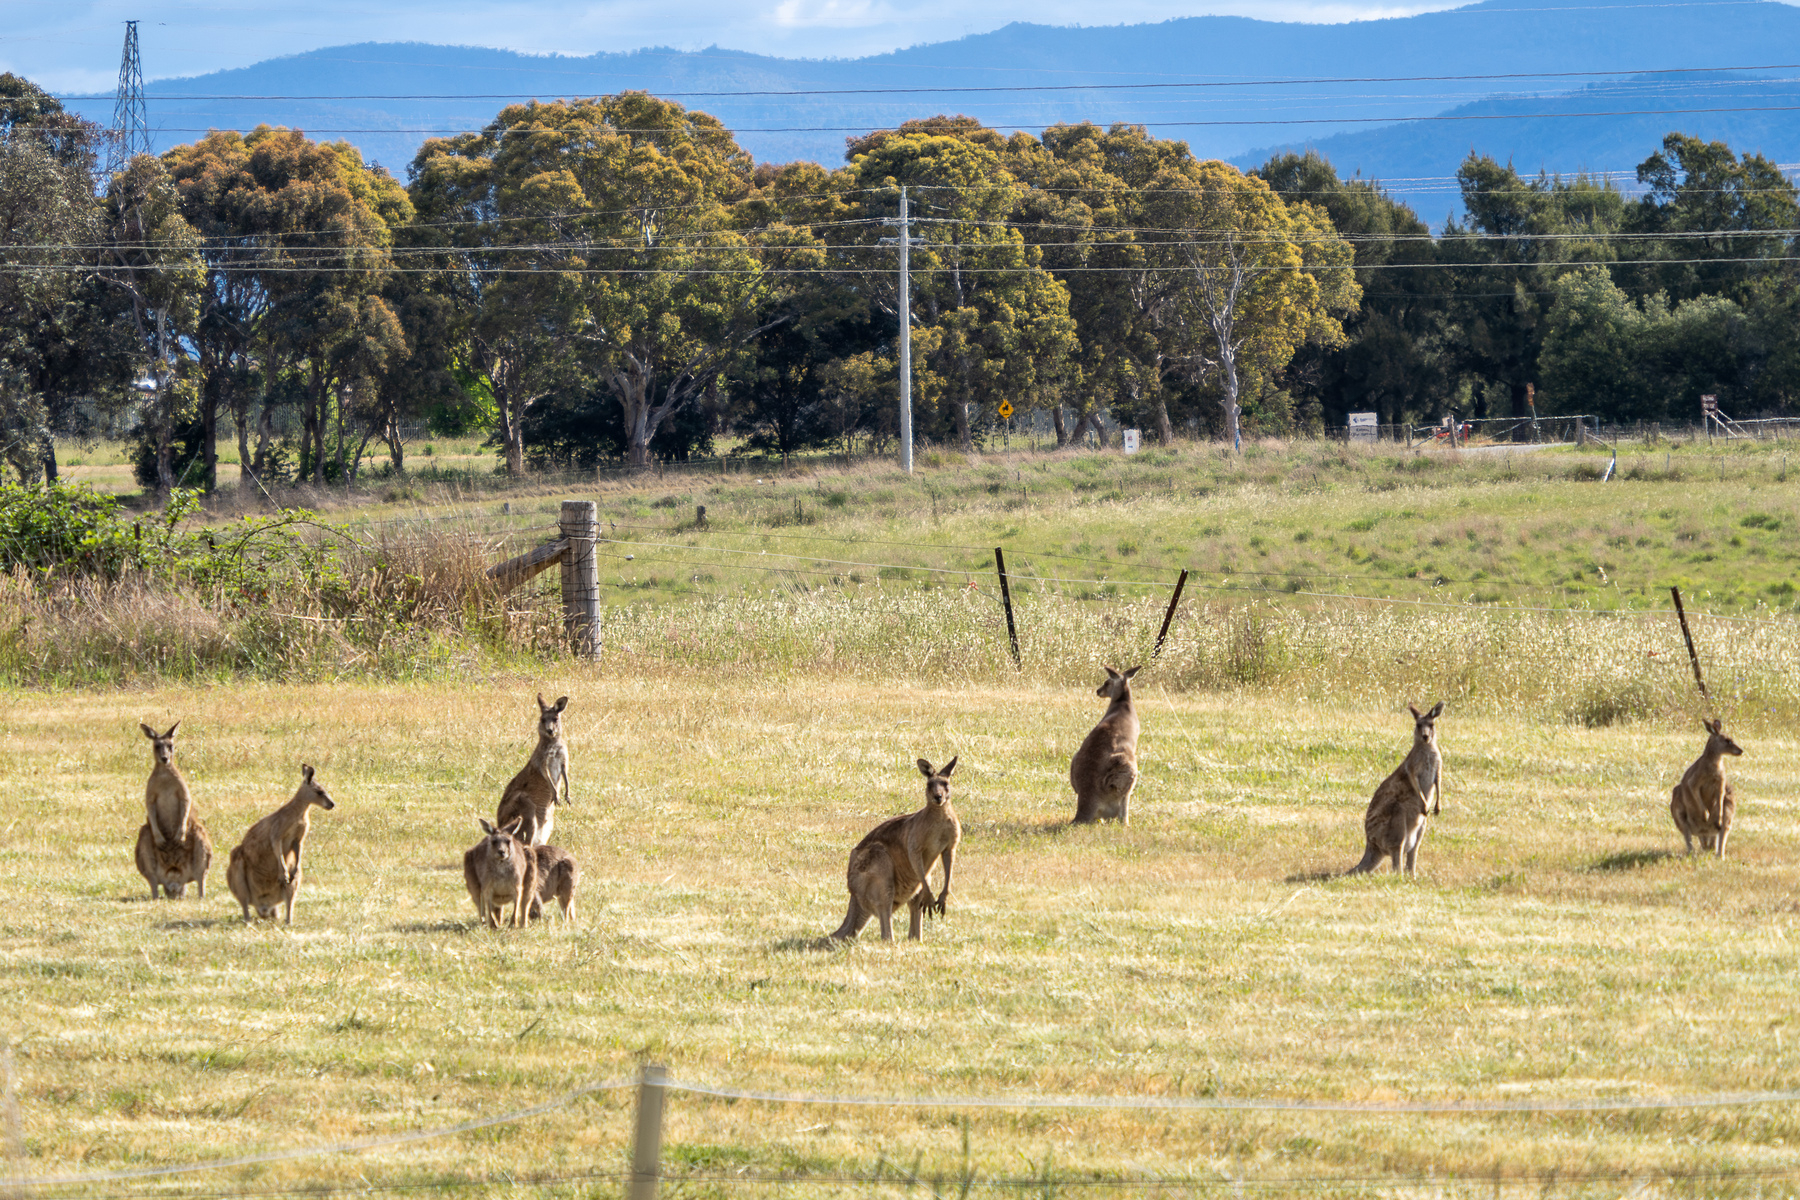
{"x":854,"y":920}
{"x":1371,"y":856}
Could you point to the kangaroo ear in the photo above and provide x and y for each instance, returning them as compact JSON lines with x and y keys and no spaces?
{"x":306,"y":772}
{"x":948,"y":767}
{"x":1436,"y":710}
{"x":562,"y":702}
{"x":511,"y":828}
{"x":172,"y":729}
{"x":541,"y":704}
{"x":925,"y":769}
{"x":148,"y":732}
{"x":1110,"y":673}
{"x":1133,"y":671}
{"x":485,"y":826}
{"x":1414,"y":709}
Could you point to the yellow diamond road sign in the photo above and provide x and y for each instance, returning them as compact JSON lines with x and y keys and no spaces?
{"x":1006,"y":409}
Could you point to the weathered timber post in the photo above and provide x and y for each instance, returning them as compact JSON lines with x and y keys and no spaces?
{"x":646,"y":1147}
{"x":580,"y":526}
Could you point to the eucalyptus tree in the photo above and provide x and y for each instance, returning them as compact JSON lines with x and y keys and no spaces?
{"x":1260,"y":277}
{"x":592,"y":240}
{"x":992,"y":325}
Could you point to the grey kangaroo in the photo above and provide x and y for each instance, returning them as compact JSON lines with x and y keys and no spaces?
{"x":1395,"y":822}
{"x":888,"y":868}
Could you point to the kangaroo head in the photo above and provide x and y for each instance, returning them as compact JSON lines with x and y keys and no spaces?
{"x":315,"y":793}
{"x":937,"y":781}
{"x":500,"y":839}
{"x":1425,"y":723}
{"x":162,"y":745}
{"x":1717,"y":740}
{"x":550,"y":717}
{"x":1117,"y":685}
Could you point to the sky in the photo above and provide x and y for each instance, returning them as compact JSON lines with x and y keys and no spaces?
{"x":73,"y":45}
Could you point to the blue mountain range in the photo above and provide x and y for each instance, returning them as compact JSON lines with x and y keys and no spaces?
{"x":1552,"y":85}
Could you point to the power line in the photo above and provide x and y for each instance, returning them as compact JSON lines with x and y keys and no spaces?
{"x":1298,"y":81}
{"x":1389,"y":120}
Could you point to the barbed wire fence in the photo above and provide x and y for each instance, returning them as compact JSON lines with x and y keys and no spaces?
{"x":654,"y":1090}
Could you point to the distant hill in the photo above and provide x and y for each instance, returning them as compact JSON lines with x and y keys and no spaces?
{"x":462,"y":87}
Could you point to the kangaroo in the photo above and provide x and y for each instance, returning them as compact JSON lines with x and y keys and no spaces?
{"x":1395,"y":822}
{"x":557,"y":875}
{"x":501,"y":870}
{"x":1104,"y":770}
{"x":1703,"y":803}
{"x":888,"y":868}
{"x":264,"y":871}
{"x":173,"y":847}
{"x":530,"y":796}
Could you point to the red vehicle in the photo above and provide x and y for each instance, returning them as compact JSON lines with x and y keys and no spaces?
{"x":1462,"y":431}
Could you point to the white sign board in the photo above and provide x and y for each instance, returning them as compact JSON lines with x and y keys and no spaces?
{"x":1362,"y":426}
{"x":1132,"y":437}
{"x":1709,"y":404}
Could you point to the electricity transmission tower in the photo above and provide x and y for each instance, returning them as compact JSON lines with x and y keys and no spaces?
{"x":130,"y":123}
{"x":906,"y":241}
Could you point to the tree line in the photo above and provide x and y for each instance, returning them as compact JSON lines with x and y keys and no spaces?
{"x":614,"y":279}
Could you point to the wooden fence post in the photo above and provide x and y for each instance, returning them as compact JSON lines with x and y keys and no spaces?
{"x":646,"y":1147}
{"x":580,"y":526}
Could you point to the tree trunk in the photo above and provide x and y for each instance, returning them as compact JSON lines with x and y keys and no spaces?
{"x":49,"y":459}
{"x":960,"y":408}
{"x":396,"y":447}
{"x":1062,"y":430}
{"x":1228,"y":368}
{"x":165,"y":417}
{"x":209,"y":429}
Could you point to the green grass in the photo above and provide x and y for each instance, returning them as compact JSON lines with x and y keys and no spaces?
{"x":748,"y":722}
{"x":1554,"y":945}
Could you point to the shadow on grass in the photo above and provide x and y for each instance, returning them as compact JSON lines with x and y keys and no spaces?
{"x":1021,"y":829}
{"x":202,"y":922}
{"x":435,"y":927}
{"x":1319,"y":876}
{"x":1630,"y":860}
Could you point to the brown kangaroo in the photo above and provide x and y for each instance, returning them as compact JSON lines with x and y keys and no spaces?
{"x":500,"y":870}
{"x":1104,"y":769}
{"x":530,"y":797}
{"x":557,"y":875}
{"x":173,"y":847}
{"x":264,"y":871}
{"x":1395,"y":822}
{"x":1703,"y":803}
{"x":888,"y":868}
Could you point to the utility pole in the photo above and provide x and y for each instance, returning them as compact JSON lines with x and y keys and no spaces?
{"x":131,"y":122}
{"x":906,"y":240}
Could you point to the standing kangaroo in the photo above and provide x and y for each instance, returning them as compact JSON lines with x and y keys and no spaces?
{"x":888,"y":868}
{"x":1395,"y":822}
{"x":1703,"y":803}
{"x":500,"y":870}
{"x":530,"y":797}
{"x":1104,"y":770}
{"x":265,"y":867}
{"x":173,"y":847}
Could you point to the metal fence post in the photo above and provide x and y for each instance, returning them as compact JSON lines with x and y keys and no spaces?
{"x":646,"y":1149}
{"x":580,"y":526}
{"x":1012,"y":631}
{"x":1170,"y":615}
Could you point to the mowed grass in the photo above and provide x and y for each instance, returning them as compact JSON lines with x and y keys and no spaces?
{"x":1555,"y":944}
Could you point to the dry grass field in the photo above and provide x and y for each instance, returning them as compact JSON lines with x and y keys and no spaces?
{"x":754,"y":713}
{"x":1554,"y":946}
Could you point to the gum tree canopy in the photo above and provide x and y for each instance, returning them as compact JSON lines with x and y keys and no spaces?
{"x":592,"y":239}
{"x":1262,"y":276}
